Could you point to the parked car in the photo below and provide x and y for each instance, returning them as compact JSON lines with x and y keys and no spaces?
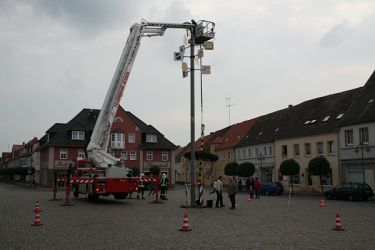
{"x":350,"y":191}
{"x":271,"y":188}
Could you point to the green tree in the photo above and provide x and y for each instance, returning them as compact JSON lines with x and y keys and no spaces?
{"x":136,"y":171}
{"x":289,"y":167}
{"x":202,"y":155}
{"x":231,"y":169}
{"x":246,"y":169}
{"x":155,"y":170}
{"x":319,"y":166}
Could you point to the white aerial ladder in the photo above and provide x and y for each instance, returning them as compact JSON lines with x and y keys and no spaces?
{"x":97,"y":149}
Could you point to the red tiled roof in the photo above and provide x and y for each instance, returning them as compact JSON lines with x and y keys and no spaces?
{"x":6,"y":154}
{"x":235,"y":134}
{"x":16,"y":147}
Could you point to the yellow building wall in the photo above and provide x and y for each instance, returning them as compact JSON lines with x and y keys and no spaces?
{"x":304,"y":159}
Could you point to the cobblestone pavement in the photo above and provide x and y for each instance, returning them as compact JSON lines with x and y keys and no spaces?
{"x":268,"y":223}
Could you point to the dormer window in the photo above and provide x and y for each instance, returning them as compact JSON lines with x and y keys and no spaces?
{"x":118,"y":120}
{"x":151,"y":138}
{"x":78,"y":135}
{"x":339,"y":116}
{"x":326,"y":118}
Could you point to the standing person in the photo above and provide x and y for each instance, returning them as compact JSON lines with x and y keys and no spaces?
{"x":252,"y":186}
{"x":256,"y":187}
{"x":141,"y":187}
{"x":219,"y":192}
{"x":248,"y":184}
{"x":240,"y":184}
{"x":164,"y":182}
{"x":232,"y":191}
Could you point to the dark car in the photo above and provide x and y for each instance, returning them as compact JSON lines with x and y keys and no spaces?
{"x":271,"y":188}
{"x":350,"y":191}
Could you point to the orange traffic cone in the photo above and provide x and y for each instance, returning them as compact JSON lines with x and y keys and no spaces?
{"x":338,"y":226}
{"x":185,"y":226}
{"x":37,"y":211}
{"x":249,"y":198}
{"x":322,"y":205}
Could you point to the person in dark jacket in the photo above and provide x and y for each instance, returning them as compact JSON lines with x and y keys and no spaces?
{"x":232,"y":191}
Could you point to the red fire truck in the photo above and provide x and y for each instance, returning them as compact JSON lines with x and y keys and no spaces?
{"x":103,"y":174}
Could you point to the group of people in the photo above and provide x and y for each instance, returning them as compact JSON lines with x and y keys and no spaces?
{"x":253,"y":186}
{"x":163,"y":186}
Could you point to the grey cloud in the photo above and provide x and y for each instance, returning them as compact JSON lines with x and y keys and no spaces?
{"x":336,"y":35}
{"x":86,"y":16}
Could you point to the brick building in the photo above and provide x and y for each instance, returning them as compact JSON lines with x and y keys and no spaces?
{"x":137,"y":144}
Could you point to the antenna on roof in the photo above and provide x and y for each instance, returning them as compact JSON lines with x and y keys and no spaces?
{"x":229,"y":105}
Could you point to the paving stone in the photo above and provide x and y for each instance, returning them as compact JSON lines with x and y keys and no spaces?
{"x":271,"y":222}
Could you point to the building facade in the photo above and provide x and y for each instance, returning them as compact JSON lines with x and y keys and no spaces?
{"x":138,"y":145}
{"x":357,"y":138}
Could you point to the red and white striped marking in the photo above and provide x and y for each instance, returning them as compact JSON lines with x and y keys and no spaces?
{"x":146,"y":180}
{"x":78,"y":181}
{"x":37,"y":211}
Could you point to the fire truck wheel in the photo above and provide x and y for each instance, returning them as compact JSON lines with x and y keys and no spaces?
{"x":92,"y":197}
{"x":120,"y":196}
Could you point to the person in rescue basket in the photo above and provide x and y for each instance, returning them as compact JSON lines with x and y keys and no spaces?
{"x":232,"y":191}
{"x":141,"y":187}
{"x":164,"y":182}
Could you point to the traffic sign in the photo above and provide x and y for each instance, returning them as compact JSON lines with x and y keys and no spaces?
{"x":206,"y":69}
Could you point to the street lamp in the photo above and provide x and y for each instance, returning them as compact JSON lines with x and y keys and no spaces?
{"x":260,"y":158}
{"x":362,"y":147}
{"x":200,"y":33}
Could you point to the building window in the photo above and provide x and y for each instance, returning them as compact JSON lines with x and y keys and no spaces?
{"x":349,"y":137}
{"x":284,"y":150}
{"x":296,"y":149}
{"x":63,"y":154}
{"x":319,"y":147}
{"x":270,"y":150}
{"x":243,"y":153}
{"x":151,"y":138}
{"x":81,"y":154}
{"x":330,"y":147}
{"x":363,"y":135}
{"x":164,"y":156}
{"x":118,"y":120}
{"x":296,"y":179}
{"x":78,"y":135}
{"x":228,"y":155}
{"x":117,"y":140}
{"x":256,"y":152}
{"x":238,"y":154}
{"x":133,"y":155}
{"x":307,"y":149}
{"x":149,"y":156}
{"x":265,"y":151}
{"x":124,"y":155}
{"x":249,"y":152}
{"x":131,"y":137}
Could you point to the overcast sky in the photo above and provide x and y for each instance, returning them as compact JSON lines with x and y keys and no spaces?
{"x":58,"y":57}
